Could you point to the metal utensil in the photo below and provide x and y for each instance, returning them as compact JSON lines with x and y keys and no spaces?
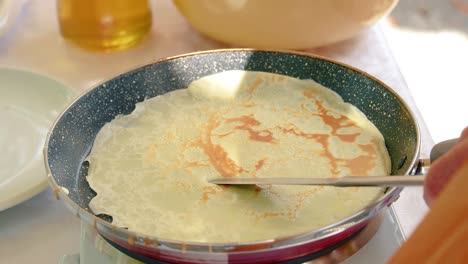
{"x":351,"y":181}
{"x":346,"y":181}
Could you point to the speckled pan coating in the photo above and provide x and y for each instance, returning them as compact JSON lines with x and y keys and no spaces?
{"x":71,"y":139}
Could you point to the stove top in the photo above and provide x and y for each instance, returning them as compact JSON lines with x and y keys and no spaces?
{"x":375,"y":243}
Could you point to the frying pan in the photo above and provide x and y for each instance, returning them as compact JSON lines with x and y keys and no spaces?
{"x":71,"y":138}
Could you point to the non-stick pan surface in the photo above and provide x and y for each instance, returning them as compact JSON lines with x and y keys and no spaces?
{"x":72,"y":136}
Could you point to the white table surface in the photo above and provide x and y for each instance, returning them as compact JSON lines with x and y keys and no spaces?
{"x":41,"y":229}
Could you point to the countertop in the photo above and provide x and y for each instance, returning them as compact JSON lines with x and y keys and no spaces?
{"x":41,"y":229}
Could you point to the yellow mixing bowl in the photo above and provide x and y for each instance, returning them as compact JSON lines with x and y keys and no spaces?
{"x":292,"y":24}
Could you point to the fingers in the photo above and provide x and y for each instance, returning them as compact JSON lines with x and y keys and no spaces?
{"x":442,"y":169}
{"x":464,"y":134}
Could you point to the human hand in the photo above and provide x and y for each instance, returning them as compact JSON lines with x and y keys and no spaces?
{"x":442,"y":170}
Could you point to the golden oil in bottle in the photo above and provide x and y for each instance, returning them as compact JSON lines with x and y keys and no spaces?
{"x":104,"y":25}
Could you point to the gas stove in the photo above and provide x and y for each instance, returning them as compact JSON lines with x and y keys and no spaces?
{"x":375,"y":243}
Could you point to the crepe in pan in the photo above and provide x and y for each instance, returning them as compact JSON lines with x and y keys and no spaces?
{"x":150,"y":169}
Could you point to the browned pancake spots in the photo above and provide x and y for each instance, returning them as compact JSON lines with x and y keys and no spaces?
{"x":362,"y":164}
{"x":221,"y":161}
{"x":260,"y":164}
{"x":348,"y":137}
{"x":309,"y":94}
{"x":334,"y":122}
{"x":299,"y":199}
{"x":260,"y":216}
{"x":247,"y":124}
{"x":257,"y":190}
{"x":248,"y":104}
{"x":181,"y":185}
{"x":211,"y":190}
{"x":296,"y":131}
{"x":278,"y":77}
{"x":186,"y":166}
{"x":272,"y":191}
{"x":254,"y":85}
{"x":358,"y":166}
{"x":323,"y":140}
{"x":320,"y":138}
{"x":192,"y":164}
{"x":217,"y":156}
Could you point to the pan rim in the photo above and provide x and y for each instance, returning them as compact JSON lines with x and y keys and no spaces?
{"x":362,"y":215}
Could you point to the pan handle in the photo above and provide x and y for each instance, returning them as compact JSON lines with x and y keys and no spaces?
{"x":437,"y":151}
{"x":441,"y":148}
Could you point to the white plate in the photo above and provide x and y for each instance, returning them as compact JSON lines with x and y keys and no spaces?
{"x":29,"y":104}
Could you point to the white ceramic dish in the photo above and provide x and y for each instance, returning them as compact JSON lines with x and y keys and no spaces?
{"x":29,"y":104}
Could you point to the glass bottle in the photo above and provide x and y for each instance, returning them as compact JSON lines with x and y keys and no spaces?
{"x":104,"y":25}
